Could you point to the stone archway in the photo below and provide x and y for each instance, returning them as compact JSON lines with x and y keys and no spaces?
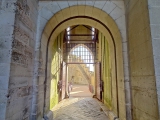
{"x":104,"y":23}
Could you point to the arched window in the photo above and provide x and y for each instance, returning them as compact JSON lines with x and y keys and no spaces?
{"x":81,"y":54}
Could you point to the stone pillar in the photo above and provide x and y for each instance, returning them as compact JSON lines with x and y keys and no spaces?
{"x":154,"y":16}
{"x":7,"y":15}
{"x":17,"y":41}
{"x":141,"y":62}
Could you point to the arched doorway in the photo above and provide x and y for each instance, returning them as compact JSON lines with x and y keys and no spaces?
{"x":109,"y":29}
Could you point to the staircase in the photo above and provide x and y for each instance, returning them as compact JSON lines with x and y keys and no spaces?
{"x":84,"y":72}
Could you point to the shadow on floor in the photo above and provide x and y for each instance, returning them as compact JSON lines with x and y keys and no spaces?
{"x":81,"y":108}
{"x":80,"y":91}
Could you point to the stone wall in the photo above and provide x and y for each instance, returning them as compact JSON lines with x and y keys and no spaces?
{"x":22,"y":60}
{"x":79,"y":78}
{"x":106,"y":74}
{"x":114,"y":17}
{"x":53,"y":73}
{"x":7,"y":15}
{"x":154,"y":16}
{"x":113,"y":90}
{"x":143,"y":86}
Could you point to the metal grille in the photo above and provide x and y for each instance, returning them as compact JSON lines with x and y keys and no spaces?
{"x":80,"y":44}
{"x":80,"y":52}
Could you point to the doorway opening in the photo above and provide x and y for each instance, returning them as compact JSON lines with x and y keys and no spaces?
{"x":83,"y":53}
{"x":79,"y":50}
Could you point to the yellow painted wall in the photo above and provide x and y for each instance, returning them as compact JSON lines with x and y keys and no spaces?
{"x":104,"y":57}
{"x":55,"y":71}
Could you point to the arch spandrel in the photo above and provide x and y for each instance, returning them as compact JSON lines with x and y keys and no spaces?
{"x":81,"y":9}
{"x":89,"y":11}
{"x":96,"y":13}
{"x":53,"y":22}
{"x":74,"y":10}
{"x":66,"y":13}
{"x":100,"y":15}
{"x":84,"y":21}
{"x":49,"y":29}
{"x":59,"y":16}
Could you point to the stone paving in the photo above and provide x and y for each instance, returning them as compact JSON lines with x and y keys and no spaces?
{"x":82,"y":108}
{"x":80,"y":91}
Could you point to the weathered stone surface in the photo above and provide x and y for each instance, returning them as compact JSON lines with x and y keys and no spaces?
{"x":144,"y":98}
{"x":4,"y":82}
{"x":20,"y":38}
{"x":154,"y":16}
{"x":22,"y":51}
{"x":78,"y":109}
{"x":2,"y":110}
{"x":7,"y":20}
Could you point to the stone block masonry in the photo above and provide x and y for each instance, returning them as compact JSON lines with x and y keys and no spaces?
{"x":143,"y":83}
{"x":25,"y":26}
{"x":154,"y":16}
{"x":17,"y":42}
{"x":7,"y":15}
